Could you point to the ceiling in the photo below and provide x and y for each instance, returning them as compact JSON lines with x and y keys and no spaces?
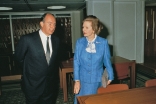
{"x":41,"y":5}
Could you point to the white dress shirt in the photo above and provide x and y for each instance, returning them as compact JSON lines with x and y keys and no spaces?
{"x":44,"y":41}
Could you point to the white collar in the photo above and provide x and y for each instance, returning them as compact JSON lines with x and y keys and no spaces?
{"x":91,"y":46}
{"x":43,"y":36}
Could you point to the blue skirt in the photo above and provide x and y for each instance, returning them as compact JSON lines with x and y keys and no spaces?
{"x":87,"y":89}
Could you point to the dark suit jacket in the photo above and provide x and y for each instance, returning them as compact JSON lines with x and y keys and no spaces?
{"x":38,"y":76}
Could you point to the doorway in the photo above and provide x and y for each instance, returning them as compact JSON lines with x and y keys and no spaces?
{"x":150,"y":34}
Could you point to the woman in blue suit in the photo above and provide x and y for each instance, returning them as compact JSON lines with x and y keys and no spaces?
{"x":91,"y":53}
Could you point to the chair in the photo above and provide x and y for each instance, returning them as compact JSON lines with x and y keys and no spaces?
{"x":122,"y":71}
{"x":150,"y":83}
{"x":5,"y":69}
{"x":5,"y":64}
{"x":112,"y":88}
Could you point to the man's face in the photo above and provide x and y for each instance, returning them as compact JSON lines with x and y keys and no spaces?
{"x":48,"y":25}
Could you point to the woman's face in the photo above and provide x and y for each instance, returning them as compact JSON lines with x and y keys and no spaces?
{"x":87,"y":29}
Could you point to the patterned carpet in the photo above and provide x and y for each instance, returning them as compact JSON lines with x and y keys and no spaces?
{"x":12,"y":94}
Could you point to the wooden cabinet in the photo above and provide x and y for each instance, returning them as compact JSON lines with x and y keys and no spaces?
{"x":150,"y":33}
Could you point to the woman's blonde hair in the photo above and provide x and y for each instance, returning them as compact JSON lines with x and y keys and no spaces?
{"x":96,"y":24}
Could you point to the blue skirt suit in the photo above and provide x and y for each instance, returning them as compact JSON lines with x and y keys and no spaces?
{"x":88,"y":66}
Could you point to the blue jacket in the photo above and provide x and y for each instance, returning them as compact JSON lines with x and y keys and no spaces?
{"x":88,"y":67}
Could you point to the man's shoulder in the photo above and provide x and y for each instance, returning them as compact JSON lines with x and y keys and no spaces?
{"x":54,"y":37}
{"x":31,"y":34}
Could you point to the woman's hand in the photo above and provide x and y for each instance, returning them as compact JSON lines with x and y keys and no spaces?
{"x":109,"y":81}
{"x":77,"y":87}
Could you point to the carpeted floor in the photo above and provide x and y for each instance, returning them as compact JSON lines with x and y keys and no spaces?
{"x":12,"y":94}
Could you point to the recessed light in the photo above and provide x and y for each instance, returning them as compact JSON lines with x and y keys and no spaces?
{"x":5,"y":8}
{"x":56,"y":7}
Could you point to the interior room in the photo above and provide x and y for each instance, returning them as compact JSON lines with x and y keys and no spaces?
{"x":129,"y":27}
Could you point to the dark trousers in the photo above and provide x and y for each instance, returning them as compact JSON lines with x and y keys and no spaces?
{"x":50,"y":99}
{"x":45,"y":98}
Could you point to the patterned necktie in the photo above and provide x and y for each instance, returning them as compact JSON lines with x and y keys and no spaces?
{"x":48,"y":51}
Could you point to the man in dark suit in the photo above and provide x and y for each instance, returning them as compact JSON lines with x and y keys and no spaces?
{"x":37,"y":52}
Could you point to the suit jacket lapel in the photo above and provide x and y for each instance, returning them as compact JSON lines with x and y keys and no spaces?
{"x":39,"y":47}
{"x":53,"y":41}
